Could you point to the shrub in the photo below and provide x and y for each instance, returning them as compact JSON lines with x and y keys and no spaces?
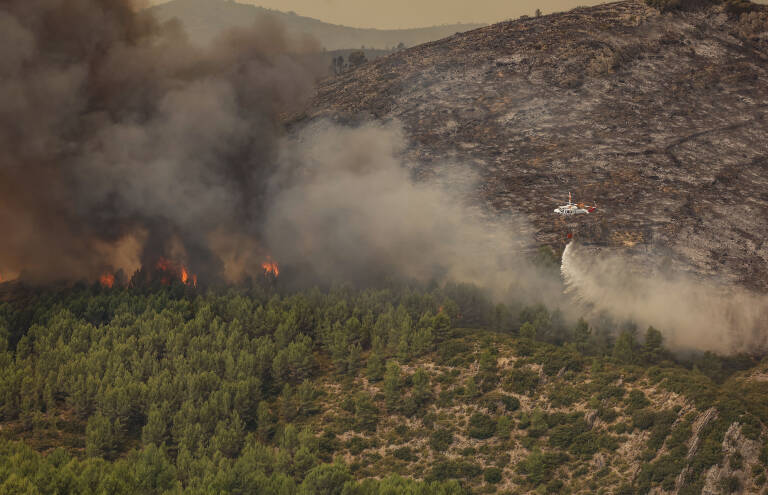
{"x":481,"y":426}
{"x":555,"y":486}
{"x":637,"y":400}
{"x":750,"y":427}
{"x":328,"y":443}
{"x":525,"y":421}
{"x":611,"y":391}
{"x":619,"y":428}
{"x":660,"y":473}
{"x":449,"y":353}
{"x":488,"y":372}
{"x":492,"y":475}
{"x":662,"y":423}
{"x":490,"y":402}
{"x":521,"y":381}
{"x":511,"y":403}
{"x":453,"y":469}
{"x":607,"y":414}
{"x":553,"y":359}
{"x":538,"y":466}
{"x":503,"y":427}
{"x":676,"y":442}
{"x":502,"y":460}
{"x":563,"y":396}
{"x":539,"y":425}
{"x":563,"y":436}
{"x":710,"y":453}
{"x":404,"y":454}
{"x":731,"y":484}
{"x":326,"y":479}
{"x":440,"y":440}
{"x":642,"y":419}
{"x":366,"y":414}
{"x":356,"y":445}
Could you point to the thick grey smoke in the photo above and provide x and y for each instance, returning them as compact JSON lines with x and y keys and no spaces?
{"x":692,"y":313}
{"x":121,"y":142}
{"x":344,"y":203}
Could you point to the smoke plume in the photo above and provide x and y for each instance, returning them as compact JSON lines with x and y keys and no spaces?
{"x":126,"y":147}
{"x":693,"y":314}
{"x":344,"y":203}
{"x":122,"y":142}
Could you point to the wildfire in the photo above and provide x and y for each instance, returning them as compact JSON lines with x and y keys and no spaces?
{"x":271,"y":266}
{"x":107,"y":280}
{"x":175,"y":271}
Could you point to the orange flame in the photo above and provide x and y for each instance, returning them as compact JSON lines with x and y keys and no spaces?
{"x":173,"y":271}
{"x":107,"y":280}
{"x":164,"y":265}
{"x":271,"y":266}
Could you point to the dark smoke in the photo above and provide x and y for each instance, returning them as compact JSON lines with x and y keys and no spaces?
{"x":122,"y":142}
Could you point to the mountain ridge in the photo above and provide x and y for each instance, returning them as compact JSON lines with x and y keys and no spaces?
{"x":205,"y":19}
{"x":656,"y":116}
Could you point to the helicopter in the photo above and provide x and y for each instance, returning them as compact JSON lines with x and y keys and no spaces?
{"x":572,"y":209}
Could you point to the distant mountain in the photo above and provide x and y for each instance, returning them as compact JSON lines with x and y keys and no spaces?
{"x":204,"y":19}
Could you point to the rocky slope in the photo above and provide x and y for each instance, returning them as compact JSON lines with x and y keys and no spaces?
{"x":659,"y":118}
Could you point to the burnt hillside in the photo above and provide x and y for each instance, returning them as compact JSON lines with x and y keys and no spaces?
{"x":659,"y":118}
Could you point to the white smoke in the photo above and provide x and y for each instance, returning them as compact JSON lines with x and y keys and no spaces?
{"x":346,"y":205}
{"x":692,"y":313}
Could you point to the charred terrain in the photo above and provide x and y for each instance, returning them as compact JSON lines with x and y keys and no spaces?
{"x":659,"y":118}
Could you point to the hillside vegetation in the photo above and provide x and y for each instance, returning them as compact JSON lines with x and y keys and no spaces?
{"x":398,"y":390}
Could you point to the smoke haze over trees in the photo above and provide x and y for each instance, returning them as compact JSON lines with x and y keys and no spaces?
{"x":137,"y":145}
{"x":117,"y":133}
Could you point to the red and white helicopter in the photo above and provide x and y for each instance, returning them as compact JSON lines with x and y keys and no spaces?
{"x":572,"y":209}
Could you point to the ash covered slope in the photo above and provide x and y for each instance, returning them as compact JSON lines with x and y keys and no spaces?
{"x":660,"y":118}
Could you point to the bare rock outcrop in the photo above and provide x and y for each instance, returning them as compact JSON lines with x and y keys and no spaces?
{"x":702,"y":421}
{"x":735,"y":446}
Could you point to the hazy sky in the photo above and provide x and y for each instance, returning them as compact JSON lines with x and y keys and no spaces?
{"x":392,"y":14}
{"x":389,"y":14}
{"x":416,"y":13}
